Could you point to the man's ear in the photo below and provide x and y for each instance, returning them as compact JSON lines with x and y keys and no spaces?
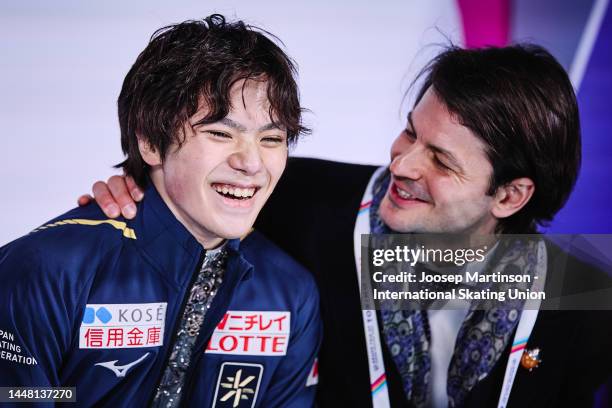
{"x":149,"y":154}
{"x":511,"y":197}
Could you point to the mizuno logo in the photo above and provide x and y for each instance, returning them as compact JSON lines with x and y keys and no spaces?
{"x":121,"y":371}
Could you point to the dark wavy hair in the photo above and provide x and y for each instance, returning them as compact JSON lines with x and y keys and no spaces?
{"x":195,"y":61}
{"x":520,"y":102}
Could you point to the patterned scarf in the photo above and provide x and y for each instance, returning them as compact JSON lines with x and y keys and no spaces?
{"x":482,"y":338}
{"x":201,"y":295}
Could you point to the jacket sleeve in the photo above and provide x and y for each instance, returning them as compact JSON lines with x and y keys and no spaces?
{"x":35,"y":315}
{"x":294,"y":382}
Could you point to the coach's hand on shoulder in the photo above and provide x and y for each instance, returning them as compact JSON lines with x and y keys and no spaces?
{"x":116,"y":197}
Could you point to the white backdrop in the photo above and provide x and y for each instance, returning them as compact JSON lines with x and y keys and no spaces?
{"x":63,"y":62}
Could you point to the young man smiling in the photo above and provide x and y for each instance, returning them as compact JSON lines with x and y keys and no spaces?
{"x":217,"y":180}
{"x":171,"y":308}
{"x":492,"y":146}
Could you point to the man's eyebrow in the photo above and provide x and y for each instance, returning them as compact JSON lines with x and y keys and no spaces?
{"x":270,"y":126}
{"x":449,"y":156}
{"x":240,"y":127}
{"x":437,"y":149}
{"x":233,"y":125}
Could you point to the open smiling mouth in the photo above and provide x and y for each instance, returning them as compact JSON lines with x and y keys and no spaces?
{"x":405,"y":195}
{"x":235,"y":192}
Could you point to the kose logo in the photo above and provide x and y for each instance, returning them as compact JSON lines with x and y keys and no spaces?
{"x":138,"y":315}
{"x":123,"y":314}
{"x":123,"y":325}
{"x":101,"y":313}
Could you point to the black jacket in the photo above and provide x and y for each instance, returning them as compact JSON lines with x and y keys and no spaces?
{"x":312,"y":214}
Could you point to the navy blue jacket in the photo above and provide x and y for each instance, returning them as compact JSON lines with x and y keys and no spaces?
{"x":94,"y":303}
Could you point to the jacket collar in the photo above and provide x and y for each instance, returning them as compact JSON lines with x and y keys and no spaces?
{"x":170,"y":246}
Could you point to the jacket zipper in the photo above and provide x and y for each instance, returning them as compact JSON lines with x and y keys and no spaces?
{"x":177,"y":326}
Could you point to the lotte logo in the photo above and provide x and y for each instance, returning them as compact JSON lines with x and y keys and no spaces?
{"x":242,"y":332}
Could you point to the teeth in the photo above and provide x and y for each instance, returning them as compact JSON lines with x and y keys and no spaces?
{"x":404,"y":194}
{"x":235,"y":191}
